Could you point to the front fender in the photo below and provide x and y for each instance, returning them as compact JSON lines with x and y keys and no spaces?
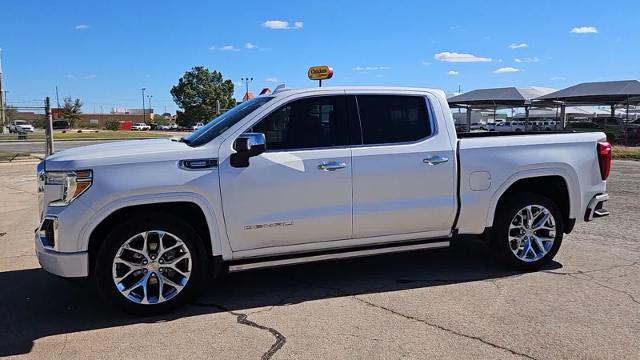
{"x":218,"y":246}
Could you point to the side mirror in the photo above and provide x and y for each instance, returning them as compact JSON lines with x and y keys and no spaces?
{"x":247,"y":146}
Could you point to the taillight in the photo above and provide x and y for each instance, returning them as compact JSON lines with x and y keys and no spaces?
{"x":604,"y":158}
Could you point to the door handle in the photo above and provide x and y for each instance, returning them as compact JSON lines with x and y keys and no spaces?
{"x":331,"y":166}
{"x":435,"y":160}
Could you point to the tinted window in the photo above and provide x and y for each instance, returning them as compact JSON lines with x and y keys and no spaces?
{"x":306,"y":123}
{"x":393,"y":119}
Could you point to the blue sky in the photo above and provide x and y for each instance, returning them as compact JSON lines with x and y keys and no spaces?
{"x":104,"y":52}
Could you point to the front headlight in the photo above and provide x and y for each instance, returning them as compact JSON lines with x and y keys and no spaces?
{"x":73,"y":183}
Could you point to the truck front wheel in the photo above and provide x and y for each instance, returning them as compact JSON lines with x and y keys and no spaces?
{"x":527,"y":231}
{"x":150,"y":265}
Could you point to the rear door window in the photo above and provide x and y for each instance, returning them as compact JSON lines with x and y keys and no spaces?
{"x":389,"y":119}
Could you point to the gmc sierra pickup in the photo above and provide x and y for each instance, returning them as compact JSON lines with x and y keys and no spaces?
{"x":308,"y":175}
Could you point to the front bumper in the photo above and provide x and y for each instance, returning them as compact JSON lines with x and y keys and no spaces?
{"x":62,"y":264}
{"x":595,"y":208}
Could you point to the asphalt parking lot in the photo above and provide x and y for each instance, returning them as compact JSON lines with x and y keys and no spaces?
{"x":452,"y":303}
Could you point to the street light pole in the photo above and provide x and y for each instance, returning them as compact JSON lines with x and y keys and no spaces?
{"x":144,"y":118}
{"x":247,"y":80}
{"x":3,"y":112}
{"x":150,"y":108}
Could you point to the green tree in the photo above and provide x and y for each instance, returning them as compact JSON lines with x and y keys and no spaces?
{"x":197,"y":93}
{"x":71,"y":110}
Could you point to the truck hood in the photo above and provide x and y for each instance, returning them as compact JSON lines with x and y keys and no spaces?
{"x":119,"y":152}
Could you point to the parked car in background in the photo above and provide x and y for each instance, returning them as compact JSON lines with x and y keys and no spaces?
{"x":615,"y":133}
{"x":171,"y":126}
{"x":197,"y":126}
{"x":544,"y":125}
{"x":61,"y":125}
{"x":17,"y":126}
{"x":510,"y":126}
{"x":140,"y":127}
{"x":306,"y":175}
{"x":476,"y":126}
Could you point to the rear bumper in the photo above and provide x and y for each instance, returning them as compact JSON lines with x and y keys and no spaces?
{"x":595,"y":208}
{"x":62,"y":264}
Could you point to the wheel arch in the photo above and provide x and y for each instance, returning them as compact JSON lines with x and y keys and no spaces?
{"x":188,"y":210}
{"x":556,"y":187}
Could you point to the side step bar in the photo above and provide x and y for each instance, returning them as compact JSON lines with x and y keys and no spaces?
{"x":338,"y":254}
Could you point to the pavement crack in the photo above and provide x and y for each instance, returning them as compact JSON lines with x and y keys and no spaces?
{"x":64,"y":345}
{"x":242,"y":319}
{"x":587,"y":277}
{"x":591,"y":280}
{"x":440,"y":327}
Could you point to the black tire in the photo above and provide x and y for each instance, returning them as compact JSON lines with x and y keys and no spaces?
{"x":126,"y":230}
{"x":500,"y":230}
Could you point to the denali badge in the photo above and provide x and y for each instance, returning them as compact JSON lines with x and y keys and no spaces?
{"x":271,"y":225}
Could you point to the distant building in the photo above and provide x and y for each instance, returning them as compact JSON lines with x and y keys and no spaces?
{"x":247,"y":96}
{"x":126,"y":111}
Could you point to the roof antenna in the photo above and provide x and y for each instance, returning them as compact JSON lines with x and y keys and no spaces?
{"x":279,"y":88}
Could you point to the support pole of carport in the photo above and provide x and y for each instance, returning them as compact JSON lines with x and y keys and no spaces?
{"x":469,"y":118}
{"x":526,"y":118}
{"x":563,"y":116}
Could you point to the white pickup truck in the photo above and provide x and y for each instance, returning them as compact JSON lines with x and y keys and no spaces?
{"x":308,"y":175}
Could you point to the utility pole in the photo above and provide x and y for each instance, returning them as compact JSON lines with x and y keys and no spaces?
{"x":150,"y":108}
{"x":48,"y":128}
{"x":57,"y":97}
{"x":247,"y":80}
{"x":144,"y":118}
{"x":3,"y":111}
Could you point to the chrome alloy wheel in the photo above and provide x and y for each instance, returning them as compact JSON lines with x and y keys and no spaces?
{"x":532,"y":232}
{"x":152,"y":267}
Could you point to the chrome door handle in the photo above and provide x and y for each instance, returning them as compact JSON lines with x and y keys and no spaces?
{"x":435,"y":160}
{"x":331,"y":166}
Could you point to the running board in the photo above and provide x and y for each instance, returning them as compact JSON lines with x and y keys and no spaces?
{"x":339,"y":254}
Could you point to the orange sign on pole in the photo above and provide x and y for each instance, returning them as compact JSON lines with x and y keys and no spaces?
{"x":323,"y":72}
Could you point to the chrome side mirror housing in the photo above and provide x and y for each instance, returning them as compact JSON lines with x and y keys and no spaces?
{"x":247,"y":146}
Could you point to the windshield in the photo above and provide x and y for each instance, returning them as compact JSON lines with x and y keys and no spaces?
{"x":221,"y":123}
{"x":20,"y":122}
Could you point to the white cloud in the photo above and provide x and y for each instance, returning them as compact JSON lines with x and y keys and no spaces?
{"x":558,"y":78}
{"x":452,"y":72}
{"x":224,"y":48}
{"x":70,"y":76}
{"x":518,"y":46}
{"x":585,"y":30}
{"x":90,"y":77}
{"x":527,"y":60}
{"x":504,"y":70}
{"x":250,"y":45}
{"x":459,"y":57}
{"x":282,"y":25}
{"x":426,"y":63}
{"x":272,"y":79}
{"x":370,"y":68}
{"x":82,"y":27}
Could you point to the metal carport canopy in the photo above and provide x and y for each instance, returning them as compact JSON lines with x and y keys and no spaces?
{"x":498,"y":97}
{"x":602,"y":93}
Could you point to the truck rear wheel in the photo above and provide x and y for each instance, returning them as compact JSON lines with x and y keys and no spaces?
{"x":151,"y":265}
{"x":527,"y":231}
